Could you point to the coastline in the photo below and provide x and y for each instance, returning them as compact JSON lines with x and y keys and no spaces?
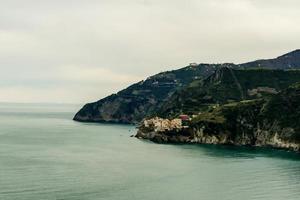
{"x":218,"y":131}
{"x":164,"y":138}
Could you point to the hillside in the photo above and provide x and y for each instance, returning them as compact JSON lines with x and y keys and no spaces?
{"x":192,"y":93}
{"x":273,"y":122}
{"x":287,"y":61}
{"x":228,"y":85}
{"x":259,"y":120}
{"x":137,"y":101}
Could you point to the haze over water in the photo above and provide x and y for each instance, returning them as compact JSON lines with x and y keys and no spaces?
{"x":46,"y":155}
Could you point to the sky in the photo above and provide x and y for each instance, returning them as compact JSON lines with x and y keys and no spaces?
{"x":78,"y":51}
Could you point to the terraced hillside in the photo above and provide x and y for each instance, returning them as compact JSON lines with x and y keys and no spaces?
{"x":228,"y":85}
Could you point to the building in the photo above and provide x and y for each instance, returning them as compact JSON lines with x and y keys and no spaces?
{"x":193,"y":64}
{"x":184,"y":117}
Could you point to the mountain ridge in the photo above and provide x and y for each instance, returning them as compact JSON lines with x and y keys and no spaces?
{"x":134,"y":103}
{"x":142,"y":99}
{"x":289,"y":60}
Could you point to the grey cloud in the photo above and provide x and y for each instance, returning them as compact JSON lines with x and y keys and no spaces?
{"x":135,"y":38}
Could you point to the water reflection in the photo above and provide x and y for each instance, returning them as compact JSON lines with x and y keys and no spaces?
{"x":229,"y":151}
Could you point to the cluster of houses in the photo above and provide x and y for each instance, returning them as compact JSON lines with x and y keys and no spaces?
{"x":160,"y":124}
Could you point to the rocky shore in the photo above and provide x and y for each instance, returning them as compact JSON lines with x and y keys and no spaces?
{"x":259,"y":137}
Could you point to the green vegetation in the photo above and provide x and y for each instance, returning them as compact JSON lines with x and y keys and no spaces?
{"x":194,"y":89}
{"x":228,"y":85}
{"x":142,"y":99}
{"x":285,"y":109}
{"x":279,"y":114}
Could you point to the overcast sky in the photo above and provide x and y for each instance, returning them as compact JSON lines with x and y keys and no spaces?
{"x":76,"y":51}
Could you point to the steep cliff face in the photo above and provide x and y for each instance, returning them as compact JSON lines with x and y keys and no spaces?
{"x":253,"y":123}
{"x":139,"y":100}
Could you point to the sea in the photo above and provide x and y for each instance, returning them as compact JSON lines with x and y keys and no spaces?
{"x":45,"y":155}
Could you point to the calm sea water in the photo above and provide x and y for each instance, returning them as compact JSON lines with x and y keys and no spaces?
{"x":46,"y":155}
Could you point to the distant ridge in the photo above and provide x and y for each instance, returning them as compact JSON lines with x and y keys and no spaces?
{"x":287,"y":61}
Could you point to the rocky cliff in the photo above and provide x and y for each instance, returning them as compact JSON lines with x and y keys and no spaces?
{"x":273,"y":122}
